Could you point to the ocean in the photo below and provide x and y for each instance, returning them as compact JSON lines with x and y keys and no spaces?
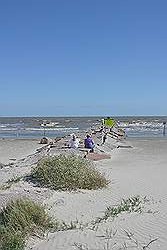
{"x":37,"y":127}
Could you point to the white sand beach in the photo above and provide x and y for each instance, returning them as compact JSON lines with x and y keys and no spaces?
{"x":140,"y":170}
{"x":132,"y":171}
{"x":14,"y":149}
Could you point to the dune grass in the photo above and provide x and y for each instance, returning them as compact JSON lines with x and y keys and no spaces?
{"x":10,"y":182}
{"x":132,"y":204}
{"x":68,"y":173}
{"x":20,"y":219}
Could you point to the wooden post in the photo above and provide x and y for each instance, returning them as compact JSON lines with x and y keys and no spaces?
{"x":164,"y":127}
{"x":44,"y":132}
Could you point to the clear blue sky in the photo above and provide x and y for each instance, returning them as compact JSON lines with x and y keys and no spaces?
{"x":83,"y":57}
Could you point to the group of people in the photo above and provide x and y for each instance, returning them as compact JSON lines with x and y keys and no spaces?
{"x":88,"y":142}
{"x":109,"y":127}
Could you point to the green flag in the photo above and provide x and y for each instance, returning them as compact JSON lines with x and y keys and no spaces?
{"x":109,"y":122}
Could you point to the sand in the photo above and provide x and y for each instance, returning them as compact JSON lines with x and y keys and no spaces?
{"x":136,"y":167}
{"x":14,"y":149}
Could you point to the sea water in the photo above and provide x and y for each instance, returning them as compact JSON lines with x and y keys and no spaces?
{"x":31,"y":127}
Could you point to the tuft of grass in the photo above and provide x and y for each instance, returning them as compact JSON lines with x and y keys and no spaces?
{"x":11,"y":240}
{"x":133,"y":204}
{"x":20,"y":219}
{"x":10,"y":182}
{"x":68,"y":173}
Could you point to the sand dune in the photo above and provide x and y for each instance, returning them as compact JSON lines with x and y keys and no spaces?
{"x":132,"y":171}
{"x":14,"y":149}
{"x":140,"y":170}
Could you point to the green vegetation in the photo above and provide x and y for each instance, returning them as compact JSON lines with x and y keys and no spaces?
{"x":68,"y":173}
{"x":20,"y":219}
{"x":10,"y":182}
{"x":133,"y":204}
{"x":23,"y":218}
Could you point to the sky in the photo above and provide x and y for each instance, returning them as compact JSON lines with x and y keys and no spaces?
{"x":83,"y":57}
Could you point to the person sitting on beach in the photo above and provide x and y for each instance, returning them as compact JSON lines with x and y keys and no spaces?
{"x":73,"y":142}
{"x":89,"y":143}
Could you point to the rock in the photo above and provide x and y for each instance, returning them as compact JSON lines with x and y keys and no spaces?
{"x":1,"y":165}
{"x":44,"y":140}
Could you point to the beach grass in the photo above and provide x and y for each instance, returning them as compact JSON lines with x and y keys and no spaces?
{"x":68,"y":172}
{"x":20,"y":219}
{"x":132,"y":204}
{"x":10,"y":182}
